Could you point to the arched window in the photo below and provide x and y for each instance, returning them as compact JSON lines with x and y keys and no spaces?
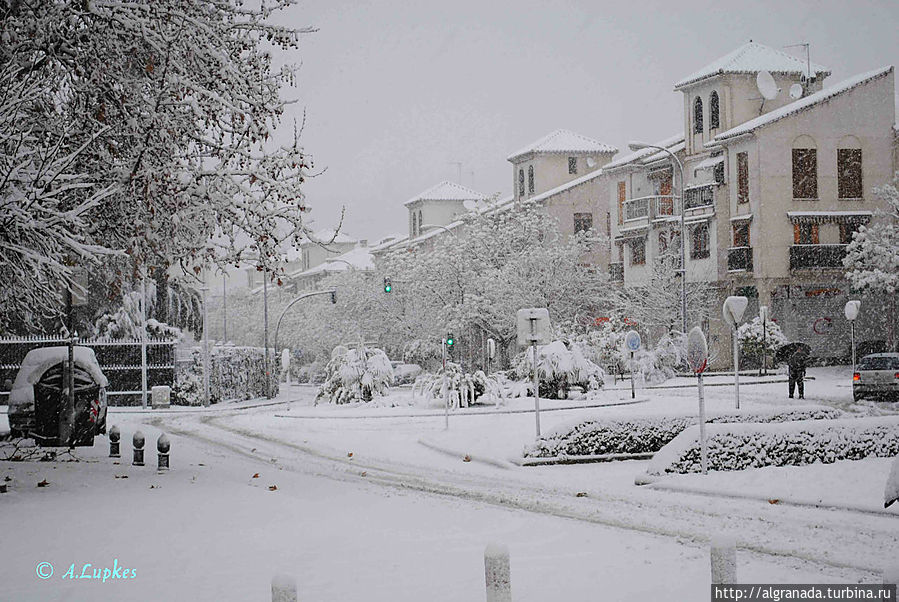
{"x":521,"y":182}
{"x":531,"y":179}
{"x":414,"y":224}
{"x":714,"y":119}
{"x":420,"y":222}
{"x":697,"y":116}
{"x":700,"y":247}
{"x":849,"y":168}
{"x":805,"y":169}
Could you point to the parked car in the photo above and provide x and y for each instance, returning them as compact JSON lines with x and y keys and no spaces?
{"x":876,"y":375}
{"x":39,"y":393}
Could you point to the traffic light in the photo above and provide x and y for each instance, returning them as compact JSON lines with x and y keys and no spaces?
{"x":450,"y":341}
{"x":387,"y":286}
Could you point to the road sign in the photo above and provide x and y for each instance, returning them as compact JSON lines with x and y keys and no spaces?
{"x":533,"y":326}
{"x":491,"y":348}
{"x":632,"y":340}
{"x":733,"y":310}
{"x":851,"y":309}
{"x":697,"y":350}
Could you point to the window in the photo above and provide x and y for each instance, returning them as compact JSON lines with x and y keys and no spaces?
{"x":700,"y":245}
{"x":414,"y":225}
{"x":572,"y":165}
{"x":847,"y":229}
{"x":521,"y":182}
{"x":742,"y":177}
{"x":849,"y":173}
{"x":697,"y":116}
{"x":741,"y":235}
{"x":531,"y":179}
{"x":638,"y":251}
{"x":583,"y":222}
{"x":714,"y":119}
{"x":805,"y":234}
{"x":805,"y":173}
{"x":420,"y":222}
{"x":663,"y":242}
{"x":622,"y":196}
{"x":703,"y":196}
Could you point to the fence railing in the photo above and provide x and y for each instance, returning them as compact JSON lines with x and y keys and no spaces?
{"x":119,"y":359}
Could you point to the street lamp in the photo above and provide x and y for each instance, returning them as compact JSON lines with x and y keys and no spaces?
{"x":851,"y":313}
{"x":432,"y":226}
{"x":635,"y":146}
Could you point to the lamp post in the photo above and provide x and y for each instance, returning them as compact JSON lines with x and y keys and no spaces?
{"x":204,"y":290}
{"x":635,"y":146}
{"x":763,"y":314}
{"x":851,"y":313}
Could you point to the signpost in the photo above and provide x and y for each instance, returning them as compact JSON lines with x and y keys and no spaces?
{"x":851,"y":313}
{"x":491,"y":353}
{"x":285,"y":367}
{"x":733,"y":310}
{"x":534,"y":329}
{"x":632,"y":343}
{"x":763,"y":314}
{"x":698,"y":358}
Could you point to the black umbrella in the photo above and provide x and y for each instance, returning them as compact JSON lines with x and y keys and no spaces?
{"x":784,"y":353}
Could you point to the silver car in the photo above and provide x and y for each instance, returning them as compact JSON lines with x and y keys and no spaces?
{"x":876,"y":375}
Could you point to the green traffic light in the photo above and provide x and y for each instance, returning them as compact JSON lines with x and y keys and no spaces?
{"x":450,"y":340}
{"x":388,"y":288}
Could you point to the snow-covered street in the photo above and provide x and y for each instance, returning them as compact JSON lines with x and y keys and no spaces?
{"x":363,"y":511}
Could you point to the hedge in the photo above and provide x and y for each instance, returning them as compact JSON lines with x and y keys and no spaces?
{"x":741,"y":446}
{"x":648,"y":434}
{"x":235,"y":373}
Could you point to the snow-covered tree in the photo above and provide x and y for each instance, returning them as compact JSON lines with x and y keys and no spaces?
{"x":559,"y":368}
{"x":145,"y":128}
{"x":872,"y":258}
{"x":356,"y":375}
{"x":462,"y":388}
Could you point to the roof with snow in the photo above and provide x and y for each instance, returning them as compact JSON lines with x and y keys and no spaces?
{"x":447,"y":191}
{"x":801,"y":104}
{"x":752,"y":57}
{"x":359,"y":258}
{"x":563,"y":141}
{"x":648,"y":155}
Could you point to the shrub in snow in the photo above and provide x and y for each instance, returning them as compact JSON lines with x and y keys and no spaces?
{"x":356,"y":375}
{"x":741,"y":446}
{"x":235,"y":373}
{"x":649,"y":434}
{"x":752,"y":341}
{"x":656,"y":365}
{"x":559,"y":368}
{"x":313,"y":372}
{"x":405,"y":374}
{"x":463,"y":388}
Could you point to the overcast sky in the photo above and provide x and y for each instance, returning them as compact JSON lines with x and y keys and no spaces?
{"x":397,"y":92}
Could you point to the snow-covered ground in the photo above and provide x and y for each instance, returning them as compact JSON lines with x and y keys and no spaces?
{"x":364,"y":511}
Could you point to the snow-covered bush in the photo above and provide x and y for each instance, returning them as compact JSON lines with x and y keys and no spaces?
{"x":656,"y":365}
{"x":313,"y":372}
{"x":741,"y":446}
{"x":463,"y":388}
{"x":559,"y":368}
{"x":752,"y":342}
{"x":356,"y":375}
{"x":235,"y":373}
{"x":649,"y":434}
{"x":405,"y":374}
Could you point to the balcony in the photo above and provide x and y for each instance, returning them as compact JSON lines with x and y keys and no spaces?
{"x":739,"y":259}
{"x":702,"y":196}
{"x":804,"y":257}
{"x":616,"y":272}
{"x":651,"y":207}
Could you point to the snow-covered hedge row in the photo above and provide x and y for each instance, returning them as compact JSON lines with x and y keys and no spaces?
{"x":648,"y":434}
{"x":741,"y":446}
{"x":234,"y":373}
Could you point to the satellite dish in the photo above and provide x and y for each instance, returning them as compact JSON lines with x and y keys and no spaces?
{"x":470,"y":205}
{"x":767,"y":87}
{"x":591,"y":162}
{"x":795,"y":91}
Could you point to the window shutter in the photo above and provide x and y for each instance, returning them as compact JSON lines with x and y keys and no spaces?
{"x":795,"y":234}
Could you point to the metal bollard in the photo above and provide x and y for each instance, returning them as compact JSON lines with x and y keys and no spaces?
{"x":138,"y":442}
{"x":162,"y":449}
{"x":114,"y":436}
{"x":723,"y":554}
{"x":497,"y":573}
{"x":284,"y":589}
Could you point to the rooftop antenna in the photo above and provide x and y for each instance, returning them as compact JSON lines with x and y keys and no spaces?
{"x":808,"y":76}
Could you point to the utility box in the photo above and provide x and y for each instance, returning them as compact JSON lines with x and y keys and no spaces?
{"x":533,"y":326}
{"x":161,"y":396}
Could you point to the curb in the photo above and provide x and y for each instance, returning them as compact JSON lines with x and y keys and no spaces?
{"x":590,"y":459}
{"x":459,"y":455}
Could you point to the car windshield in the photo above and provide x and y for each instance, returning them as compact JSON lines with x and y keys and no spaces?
{"x":879,"y":363}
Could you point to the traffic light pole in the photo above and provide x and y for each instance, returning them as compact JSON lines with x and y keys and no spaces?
{"x":445,"y":391}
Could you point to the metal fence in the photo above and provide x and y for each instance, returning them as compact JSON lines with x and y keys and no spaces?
{"x":120,"y":361}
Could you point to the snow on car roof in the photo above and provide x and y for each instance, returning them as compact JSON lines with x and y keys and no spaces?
{"x":38,"y":361}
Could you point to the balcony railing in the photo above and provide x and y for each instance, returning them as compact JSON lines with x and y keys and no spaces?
{"x":648,"y":207}
{"x":816,"y":256}
{"x":699,"y":197}
{"x":616,"y":272}
{"x":739,"y":258}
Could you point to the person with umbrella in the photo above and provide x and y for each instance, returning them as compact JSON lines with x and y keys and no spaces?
{"x":797,"y":363}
